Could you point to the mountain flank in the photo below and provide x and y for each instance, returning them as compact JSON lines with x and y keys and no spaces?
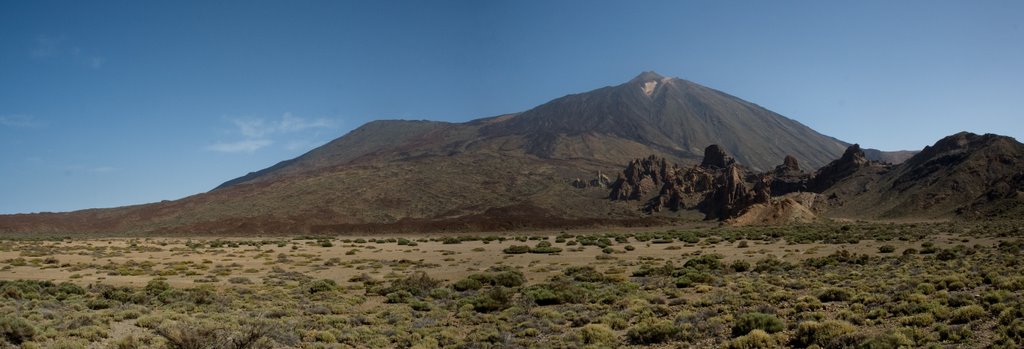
{"x":556,"y":165}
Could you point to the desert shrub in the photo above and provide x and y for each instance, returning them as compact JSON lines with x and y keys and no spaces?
{"x":834,"y":294}
{"x":757,"y":321}
{"x":250,"y":333}
{"x":546,"y":250}
{"x":687,"y":277}
{"x":756,"y":339}
{"x":497,"y":298}
{"x":743,"y":244}
{"x":946,"y":254}
{"x":886,"y":249}
{"x":416,"y":284}
{"x":705,"y":262}
{"x":400,"y":296}
{"x":557,"y":291}
{"x":240,"y":280}
{"x":889,"y":340}
{"x":16,"y":330}
{"x":516,"y":249}
{"x":598,"y":335}
{"x":965,"y":314}
{"x":629,"y":248}
{"x":651,"y":270}
{"x":820,"y":333}
{"x":740,"y":265}
{"x":322,"y":285}
{"x":419,"y":306}
{"x":653,"y":332}
{"x":157,"y":286}
{"x":771,"y":264}
{"x":500,"y":276}
{"x":467,"y":284}
{"x":585,"y":274}
{"x":190,"y":335}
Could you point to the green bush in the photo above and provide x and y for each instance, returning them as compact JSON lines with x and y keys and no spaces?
{"x":653,"y":332}
{"x":757,"y":321}
{"x":740,"y":266}
{"x":965,"y":314}
{"x":585,"y":274}
{"x":467,"y":285}
{"x":16,"y":330}
{"x":516,"y":249}
{"x":886,"y":249}
{"x":500,"y":276}
{"x":322,"y":285}
{"x":756,"y":339}
{"x":598,"y":335}
{"x":820,"y":333}
{"x":497,"y":298}
{"x":834,"y":294}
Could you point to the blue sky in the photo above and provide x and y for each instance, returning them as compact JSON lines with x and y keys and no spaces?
{"x":112,"y":103}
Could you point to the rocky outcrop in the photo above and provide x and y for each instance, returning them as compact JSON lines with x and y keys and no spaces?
{"x":718,"y":187}
{"x":715,"y":157}
{"x":731,"y":195}
{"x":851,"y":161}
{"x":788,"y":178}
{"x":790,"y":166}
{"x":641,"y":177}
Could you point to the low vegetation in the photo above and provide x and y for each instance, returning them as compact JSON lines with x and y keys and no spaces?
{"x":850,"y":286}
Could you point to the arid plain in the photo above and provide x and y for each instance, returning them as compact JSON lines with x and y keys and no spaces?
{"x":830,"y":285}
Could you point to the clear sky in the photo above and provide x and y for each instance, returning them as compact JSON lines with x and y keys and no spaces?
{"x":110,"y":103}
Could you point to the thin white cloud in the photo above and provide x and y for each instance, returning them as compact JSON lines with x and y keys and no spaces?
{"x":46,"y":46}
{"x":244,"y":146}
{"x":288,"y":123}
{"x":76,"y":169}
{"x":96,"y":62}
{"x":102,"y":169}
{"x":259,"y":133}
{"x":21,"y":121}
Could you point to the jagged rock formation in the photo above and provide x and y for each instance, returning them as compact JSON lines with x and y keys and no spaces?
{"x":788,"y":178}
{"x":853,"y":159}
{"x":718,"y":187}
{"x":730,"y":197}
{"x":639,"y":178}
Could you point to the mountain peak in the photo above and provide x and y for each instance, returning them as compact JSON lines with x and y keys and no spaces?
{"x":647,"y":76}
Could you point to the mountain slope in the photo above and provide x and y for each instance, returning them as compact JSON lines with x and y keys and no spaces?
{"x":648,"y":114}
{"x":671,"y":116}
{"x":962,"y":174}
{"x":504,"y":171}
